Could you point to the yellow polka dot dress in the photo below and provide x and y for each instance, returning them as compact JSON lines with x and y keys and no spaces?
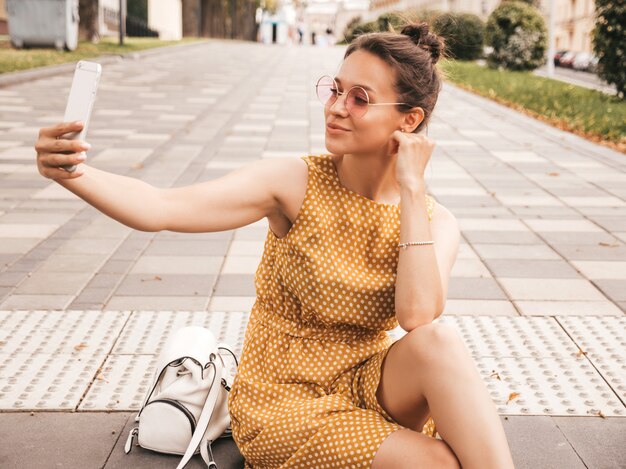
{"x":304,"y":395}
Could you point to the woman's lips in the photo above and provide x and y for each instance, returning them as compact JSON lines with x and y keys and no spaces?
{"x":335,"y":130}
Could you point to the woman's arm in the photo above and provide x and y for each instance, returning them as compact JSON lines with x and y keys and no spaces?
{"x":423,"y":270}
{"x":237,"y":199}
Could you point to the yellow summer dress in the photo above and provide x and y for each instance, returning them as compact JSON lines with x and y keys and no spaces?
{"x":304,"y":395}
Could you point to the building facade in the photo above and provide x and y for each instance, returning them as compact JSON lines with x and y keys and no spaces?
{"x":4,"y":28}
{"x":320,"y":15}
{"x":166,"y":17}
{"x":574,"y":22}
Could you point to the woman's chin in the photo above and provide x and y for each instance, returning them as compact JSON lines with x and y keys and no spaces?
{"x":335,"y":148}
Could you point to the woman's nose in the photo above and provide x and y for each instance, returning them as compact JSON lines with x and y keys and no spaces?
{"x":341,"y":109}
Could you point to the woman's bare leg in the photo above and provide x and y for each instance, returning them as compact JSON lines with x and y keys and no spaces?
{"x":432,"y":363}
{"x":408,"y":449}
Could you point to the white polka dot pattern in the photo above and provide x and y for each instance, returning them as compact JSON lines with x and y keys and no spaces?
{"x":305,"y":391}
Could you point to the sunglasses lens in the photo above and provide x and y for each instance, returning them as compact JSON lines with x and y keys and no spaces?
{"x":357,"y":102}
{"x":326,"y":91}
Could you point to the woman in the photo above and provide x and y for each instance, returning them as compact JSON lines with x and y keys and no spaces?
{"x":320,"y":384}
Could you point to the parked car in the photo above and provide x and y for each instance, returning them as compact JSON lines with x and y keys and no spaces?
{"x":557,"y":56}
{"x":567,"y":59}
{"x":582,"y":61}
{"x":593,"y":64}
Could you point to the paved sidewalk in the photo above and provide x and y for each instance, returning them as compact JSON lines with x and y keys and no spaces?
{"x":578,"y":78}
{"x":538,"y":292}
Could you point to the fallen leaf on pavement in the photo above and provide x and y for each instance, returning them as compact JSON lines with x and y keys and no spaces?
{"x":512,"y":396}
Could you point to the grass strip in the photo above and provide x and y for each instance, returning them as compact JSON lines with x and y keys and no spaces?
{"x":589,"y":113}
{"x":13,"y":60}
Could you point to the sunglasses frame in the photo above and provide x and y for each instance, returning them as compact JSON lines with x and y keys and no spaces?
{"x":341,"y":93}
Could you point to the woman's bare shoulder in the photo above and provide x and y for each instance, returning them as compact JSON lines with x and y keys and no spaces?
{"x":289,"y":187}
{"x":442,"y":214}
{"x":291,"y":178}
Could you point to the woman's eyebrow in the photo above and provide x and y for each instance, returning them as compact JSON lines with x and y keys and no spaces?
{"x":362,"y":86}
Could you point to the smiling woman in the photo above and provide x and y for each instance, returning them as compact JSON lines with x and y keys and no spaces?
{"x":355,"y":248}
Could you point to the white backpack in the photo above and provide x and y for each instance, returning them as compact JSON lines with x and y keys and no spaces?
{"x":186,"y":408}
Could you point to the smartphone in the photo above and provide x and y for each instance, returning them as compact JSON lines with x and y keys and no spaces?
{"x":81,"y":99}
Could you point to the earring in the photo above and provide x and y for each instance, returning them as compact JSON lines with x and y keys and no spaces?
{"x":401,"y":130}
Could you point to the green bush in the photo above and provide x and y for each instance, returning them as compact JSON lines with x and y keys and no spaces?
{"x":609,"y":44}
{"x":463,"y":33}
{"x":392,"y":21}
{"x":426,"y":15}
{"x":348,"y":32}
{"x":517,"y":32}
{"x":358,"y":28}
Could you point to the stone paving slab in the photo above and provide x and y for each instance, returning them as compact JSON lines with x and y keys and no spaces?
{"x":535,"y":442}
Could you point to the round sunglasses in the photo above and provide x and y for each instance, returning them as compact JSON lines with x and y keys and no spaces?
{"x":357,"y":99}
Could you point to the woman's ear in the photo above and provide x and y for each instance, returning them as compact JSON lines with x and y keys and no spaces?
{"x":414,"y":118}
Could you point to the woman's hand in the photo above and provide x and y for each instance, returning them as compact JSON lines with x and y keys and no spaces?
{"x":53,"y":151}
{"x":414,"y":152}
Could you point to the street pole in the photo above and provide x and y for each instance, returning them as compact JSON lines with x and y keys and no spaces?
{"x":122,"y":22}
{"x":233,"y":20}
{"x":551,"y":51}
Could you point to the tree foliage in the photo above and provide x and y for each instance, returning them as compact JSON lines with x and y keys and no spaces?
{"x":464,"y":34}
{"x":609,"y":42}
{"x":517,"y":32}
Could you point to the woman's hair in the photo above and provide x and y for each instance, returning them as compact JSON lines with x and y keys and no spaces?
{"x":413,"y":54}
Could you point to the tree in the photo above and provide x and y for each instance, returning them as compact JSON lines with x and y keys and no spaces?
{"x":88,"y":23}
{"x":609,"y":42}
{"x":518,"y":34}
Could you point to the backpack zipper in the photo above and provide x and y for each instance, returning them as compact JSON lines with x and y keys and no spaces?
{"x":179,"y":406}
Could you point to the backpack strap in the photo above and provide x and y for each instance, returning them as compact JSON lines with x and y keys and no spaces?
{"x":207,"y":455}
{"x":157,"y":377}
{"x":205,"y":417}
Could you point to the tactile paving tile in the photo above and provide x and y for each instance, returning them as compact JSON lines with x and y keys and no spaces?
{"x":59,"y":332}
{"x":541,"y":370}
{"x":147,"y":331}
{"x":121,"y":384}
{"x":49,"y":358}
{"x":548,"y":386}
{"x":45,"y":381}
{"x":129,"y":370}
{"x":509,"y":336}
{"x":603,"y":340}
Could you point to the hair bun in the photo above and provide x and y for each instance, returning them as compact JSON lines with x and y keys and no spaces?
{"x":428,"y":41}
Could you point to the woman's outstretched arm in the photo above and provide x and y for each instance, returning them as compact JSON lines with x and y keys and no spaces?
{"x":237,"y":199}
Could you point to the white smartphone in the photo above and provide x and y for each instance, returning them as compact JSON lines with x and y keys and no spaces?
{"x":81,"y":99}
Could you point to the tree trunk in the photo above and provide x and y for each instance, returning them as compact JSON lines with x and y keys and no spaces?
{"x":88,"y":24}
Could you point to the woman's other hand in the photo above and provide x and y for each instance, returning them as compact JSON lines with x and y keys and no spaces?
{"x":414,"y":151}
{"x":54,"y":151}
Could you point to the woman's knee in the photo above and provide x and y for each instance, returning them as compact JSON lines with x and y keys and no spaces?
{"x":434,"y":341}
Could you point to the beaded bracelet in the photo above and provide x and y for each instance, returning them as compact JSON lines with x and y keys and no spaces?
{"x":405,"y":245}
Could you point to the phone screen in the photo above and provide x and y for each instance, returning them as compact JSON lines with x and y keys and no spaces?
{"x":81,"y":99}
{"x":82,"y":95}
